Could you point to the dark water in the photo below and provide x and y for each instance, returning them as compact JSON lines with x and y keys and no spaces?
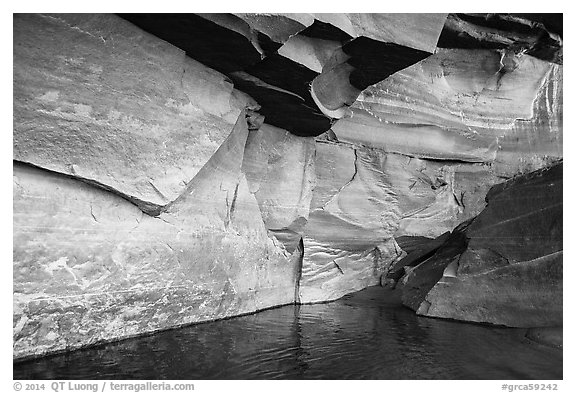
{"x":364,"y":335}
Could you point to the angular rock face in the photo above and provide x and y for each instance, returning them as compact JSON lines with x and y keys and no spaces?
{"x":467,"y":92}
{"x":280,"y":169}
{"x":115,"y":107}
{"x":419,"y":249}
{"x":352,"y":220}
{"x":505,"y":266}
{"x":177,"y":168}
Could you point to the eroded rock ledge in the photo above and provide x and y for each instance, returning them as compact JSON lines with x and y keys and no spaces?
{"x":178,"y":168}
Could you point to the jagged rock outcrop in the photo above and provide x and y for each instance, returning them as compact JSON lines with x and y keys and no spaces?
{"x":502,"y":267}
{"x":177,"y":168}
{"x":358,"y":64}
{"x":418,"y":250}
{"x":300,"y":68}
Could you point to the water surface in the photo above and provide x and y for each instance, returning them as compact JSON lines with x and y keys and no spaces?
{"x":366,"y":335}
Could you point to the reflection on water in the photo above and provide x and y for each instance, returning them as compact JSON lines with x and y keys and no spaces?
{"x":366,"y":335}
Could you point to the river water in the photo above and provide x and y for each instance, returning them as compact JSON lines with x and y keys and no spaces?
{"x":366,"y":335}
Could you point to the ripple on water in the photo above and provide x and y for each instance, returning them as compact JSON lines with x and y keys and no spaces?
{"x":366,"y":335}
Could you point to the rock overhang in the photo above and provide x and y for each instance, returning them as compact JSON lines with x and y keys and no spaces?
{"x":250,"y":52}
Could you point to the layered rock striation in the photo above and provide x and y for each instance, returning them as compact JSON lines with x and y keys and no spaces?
{"x":178,"y":168}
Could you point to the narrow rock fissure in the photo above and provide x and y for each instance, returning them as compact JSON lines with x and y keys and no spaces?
{"x":338,"y":267}
{"x":299,"y":266}
{"x":92,"y":214}
{"x":233,"y":203}
{"x":347,"y":183}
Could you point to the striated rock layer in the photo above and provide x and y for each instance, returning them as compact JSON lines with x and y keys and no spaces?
{"x":456,"y":128}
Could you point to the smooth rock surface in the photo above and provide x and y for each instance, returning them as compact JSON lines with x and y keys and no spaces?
{"x":537,"y":142}
{"x":524,"y":294}
{"x":434,"y":196}
{"x":91,"y":267}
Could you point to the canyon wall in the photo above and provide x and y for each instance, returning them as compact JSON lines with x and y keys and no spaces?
{"x":178,"y":168}
{"x":131,"y":214}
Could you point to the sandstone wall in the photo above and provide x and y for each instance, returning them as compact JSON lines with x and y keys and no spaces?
{"x":151,"y":190}
{"x":94,"y":158}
